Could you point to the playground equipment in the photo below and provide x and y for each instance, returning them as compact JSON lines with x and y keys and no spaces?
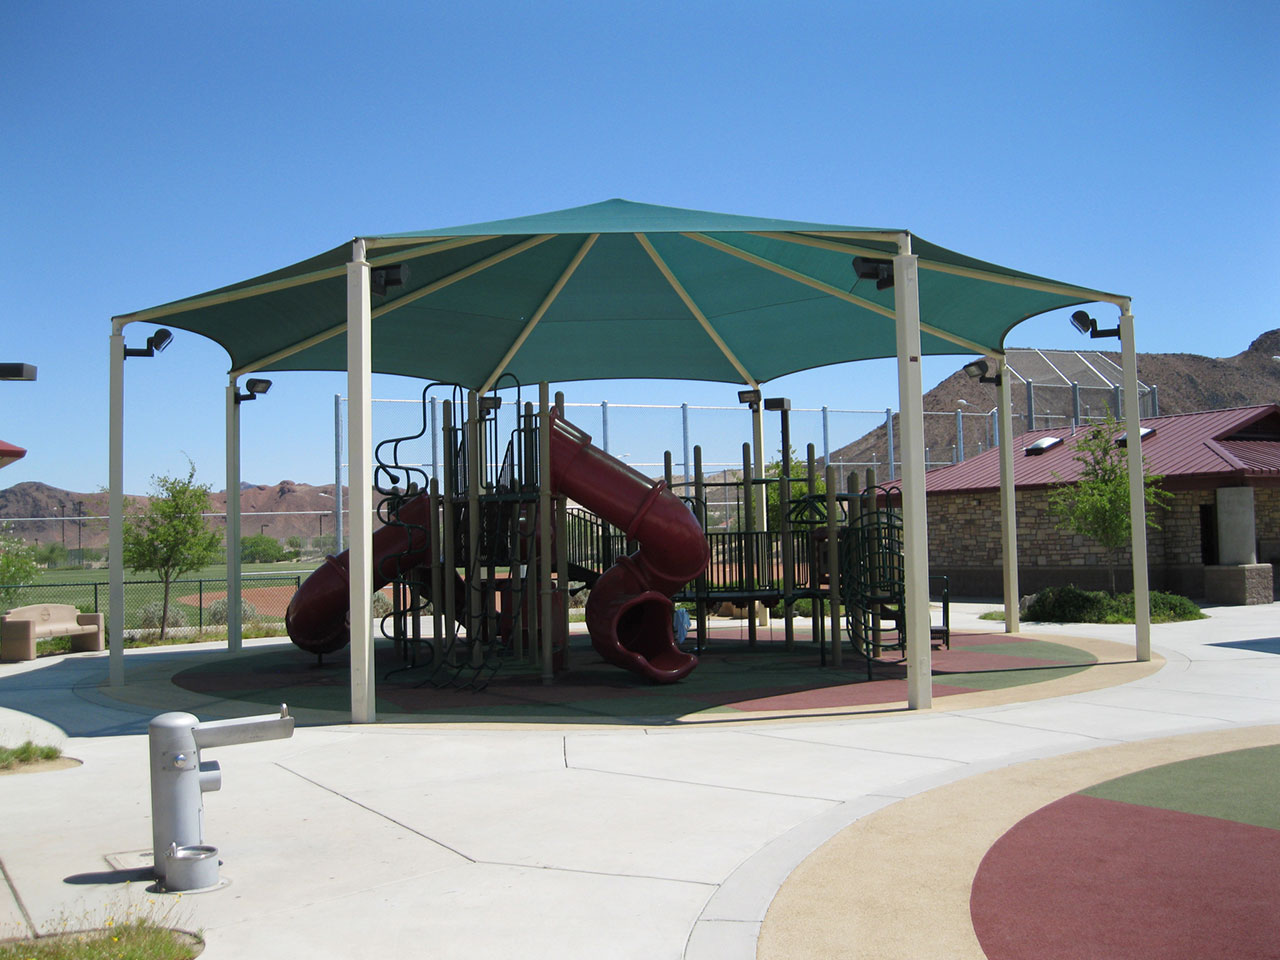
{"x":495,"y":521}
{"x":490,"y":552}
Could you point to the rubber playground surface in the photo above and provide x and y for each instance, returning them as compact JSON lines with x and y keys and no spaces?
{"x":732,"y":681}
{"x":1175,"y":859}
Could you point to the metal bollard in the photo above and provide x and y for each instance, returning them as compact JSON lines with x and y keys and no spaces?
{"x":179,"y":776}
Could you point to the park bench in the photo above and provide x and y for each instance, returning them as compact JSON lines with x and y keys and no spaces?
{"x":21,"y":627}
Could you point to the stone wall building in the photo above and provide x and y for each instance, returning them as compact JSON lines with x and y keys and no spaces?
{"x":1218,"y":539}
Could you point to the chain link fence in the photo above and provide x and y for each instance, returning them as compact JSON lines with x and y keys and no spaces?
{"x":196,"y":607}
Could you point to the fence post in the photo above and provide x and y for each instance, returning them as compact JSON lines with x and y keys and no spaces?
{"x":684,"y":426}
{"x":337,"y":471}
{"x":604,"y":425}
{"x":888,"y":429}
{"x":1155,"y":401}
{"x":1075,"y":403}
{"x":1031,"y":406}
{"x":959,"y":436}
{"x":1119,"y":401}
{"x":826,"y":435}
{"x":435,"y":446}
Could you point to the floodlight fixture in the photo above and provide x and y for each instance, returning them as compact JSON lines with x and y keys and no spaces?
{"x":17,"y":371}
{"x":395,"y":275}
{"x":255,"y":388}
{"x":869,"y":268}
{"x":777,"y":403}
{"x":490,"y":404}
{"x":979,"y":371}
{"x":1086,"y":324}
{"x":750,"y":397}
{"x":155,"y":344}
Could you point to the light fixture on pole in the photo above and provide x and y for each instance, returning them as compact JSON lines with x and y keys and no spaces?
{"x":1086,"y":324}
{"x":155,"y":344}
{"x":380,"y":278}
{"x":17,"y":371}
{"x":979,"y":371}
{"x":750,"y":397}
{"x":255,"y":388}
{"x":870,"y":268}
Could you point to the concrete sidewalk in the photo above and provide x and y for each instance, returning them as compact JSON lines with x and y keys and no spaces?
{"x":505,"y":840}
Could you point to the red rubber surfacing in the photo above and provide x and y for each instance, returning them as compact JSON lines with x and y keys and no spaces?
{"x":1091,"y":878}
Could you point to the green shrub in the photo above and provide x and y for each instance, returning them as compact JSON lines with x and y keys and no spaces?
{"x":1067,"y":604}
{"x":260,"y":548}
{"x":801,"y":608}
{"x":217,"y":613}
{"x":1070,"y":604}
{"x":149,"y":616}
{"x":381,"y":604}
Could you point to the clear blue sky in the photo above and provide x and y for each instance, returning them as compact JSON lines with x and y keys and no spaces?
{"x":156,"y":150}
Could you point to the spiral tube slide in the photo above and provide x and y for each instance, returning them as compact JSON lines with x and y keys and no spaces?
{"x":319,"y":615}
{"x":629,"y":612}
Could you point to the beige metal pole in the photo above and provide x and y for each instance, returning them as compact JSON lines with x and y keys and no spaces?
{"x":115,"y":497}
{"x":546,"y":589}
{"x":914,"y":523}
{"x":562,"y":552}
{"x":1137,"y":489}
{"x":438,"y":579}
{"x":833,"y":563}
{"x":473,"y":576}
{"x":1008,"y":504}
{"x":761,"y":610}
{"x":748,"y":540}
{"x":360,"y":471}
{"x":449,"y":532}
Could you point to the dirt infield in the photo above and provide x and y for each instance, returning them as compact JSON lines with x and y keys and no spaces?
{"x":265,"y":599}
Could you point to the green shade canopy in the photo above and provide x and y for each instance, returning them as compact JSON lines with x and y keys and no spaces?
{"x":617,"y":290}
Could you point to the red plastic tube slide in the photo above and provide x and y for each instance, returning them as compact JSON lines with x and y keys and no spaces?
{"x":319,"y":615}
{"x":629,"y":612}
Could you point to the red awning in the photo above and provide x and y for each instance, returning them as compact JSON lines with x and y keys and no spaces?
{"x":10,"y":453}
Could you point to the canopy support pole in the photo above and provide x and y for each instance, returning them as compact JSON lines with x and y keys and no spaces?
{"x":234,"y":626}
{"x":115,"y":484}
{"x":1008,"y":503}
{"x":761,"y":611}
{"x":915,"y":532}
{"x":1137,"y":487}
{"x":360,"y":484}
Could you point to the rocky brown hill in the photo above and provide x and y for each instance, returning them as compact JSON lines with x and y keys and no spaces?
{"x":282,"y":510}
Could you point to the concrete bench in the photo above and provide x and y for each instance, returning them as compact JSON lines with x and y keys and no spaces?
{"x":21,"y":627}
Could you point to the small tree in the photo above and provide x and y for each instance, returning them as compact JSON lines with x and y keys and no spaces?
{"x":1097,"y":504}
{"x":170,"y":536}
{"x":17,"y":566}
{"x":799,"y":487}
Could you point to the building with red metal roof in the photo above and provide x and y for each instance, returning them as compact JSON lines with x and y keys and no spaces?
{"x":1197,"y":455}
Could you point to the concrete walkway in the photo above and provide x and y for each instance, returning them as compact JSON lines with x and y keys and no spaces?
{"x":503,"y":840}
